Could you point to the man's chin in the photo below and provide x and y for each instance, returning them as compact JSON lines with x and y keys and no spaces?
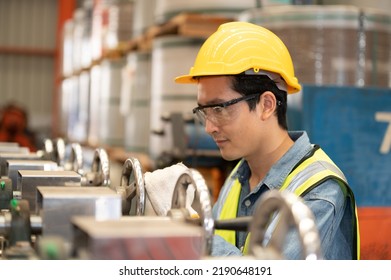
{"x":227,"y":156}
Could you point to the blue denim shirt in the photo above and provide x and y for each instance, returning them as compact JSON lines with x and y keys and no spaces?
{"x":327,"y":202}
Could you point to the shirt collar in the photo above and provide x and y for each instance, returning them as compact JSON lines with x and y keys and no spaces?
{"x":281,"y":169}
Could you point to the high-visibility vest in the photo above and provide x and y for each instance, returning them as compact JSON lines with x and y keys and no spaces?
{"x":308,"y":174}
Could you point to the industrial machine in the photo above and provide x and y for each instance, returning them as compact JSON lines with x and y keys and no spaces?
{"x":87,"y":221}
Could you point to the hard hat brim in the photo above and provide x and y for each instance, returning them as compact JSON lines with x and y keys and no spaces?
{"x":185,"y":79}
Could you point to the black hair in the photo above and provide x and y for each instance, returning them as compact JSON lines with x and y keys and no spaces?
{"x":252,"y":84}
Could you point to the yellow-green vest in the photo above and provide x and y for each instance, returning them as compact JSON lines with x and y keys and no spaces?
{"x":318,"y":168}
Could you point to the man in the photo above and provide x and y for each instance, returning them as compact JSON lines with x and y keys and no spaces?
{"x":244,"y":73}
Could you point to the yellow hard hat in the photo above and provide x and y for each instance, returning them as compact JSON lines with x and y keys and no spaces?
{"x":240,"y":46}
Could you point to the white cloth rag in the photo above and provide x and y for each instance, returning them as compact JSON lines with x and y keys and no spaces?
{"x":159,"y":187}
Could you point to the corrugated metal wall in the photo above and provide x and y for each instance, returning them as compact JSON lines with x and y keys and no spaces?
{"x":27,"y":58}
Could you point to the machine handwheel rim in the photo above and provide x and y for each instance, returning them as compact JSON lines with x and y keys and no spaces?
{"x":134,"y":189}
{"x":202,"y":196}
{"x":292,"y":212}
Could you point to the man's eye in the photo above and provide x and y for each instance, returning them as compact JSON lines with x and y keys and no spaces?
{"x":218,"y":110}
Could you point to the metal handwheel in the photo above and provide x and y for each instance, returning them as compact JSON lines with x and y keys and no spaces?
{"x":55,"y":150}
{"x":59,"y":151}
{"x":100,"y":170}
{"x":75,"y":161}
{"x":132,"y":188}
{"x":287,"y":211}
{"x":201,"y":204}
{"x":48,"y":148}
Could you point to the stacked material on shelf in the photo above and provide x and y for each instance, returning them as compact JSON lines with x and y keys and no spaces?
{"x":166,"y":9}
{"x":80,"y":130}
{"x":99,"y":15}
{"x":135,"y":101}
{"x":94,"y":110}
{"x":332,"y":45}
{"x":375,"y":46}
{"x":111,"y":123}
{"x":74,"y":104}
{"x":66,"y":63}
{"x":112,"y":25}
{"x":171,"y":55}
{"x":143,"y":16}
{"x":81,"y":54}
{"x":69,"y":105}
{"x":119,"y":27}
{"x":322,"y":40}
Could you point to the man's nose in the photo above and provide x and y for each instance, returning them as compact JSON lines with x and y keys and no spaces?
{"x":210,"y":127}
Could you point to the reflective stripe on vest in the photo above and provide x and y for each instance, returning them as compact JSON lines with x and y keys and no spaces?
{"x":307,"y":175}
{"x":230,"y":209}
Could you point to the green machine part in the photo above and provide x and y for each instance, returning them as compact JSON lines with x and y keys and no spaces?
{"x":6,"y":193}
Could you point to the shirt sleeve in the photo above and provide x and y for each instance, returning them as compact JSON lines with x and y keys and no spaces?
{"x":222,"y":248}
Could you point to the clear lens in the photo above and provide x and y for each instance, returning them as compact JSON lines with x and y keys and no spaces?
{"x":200,"y":116}
{"x":222,"y":113}
{"x":217,"y":115}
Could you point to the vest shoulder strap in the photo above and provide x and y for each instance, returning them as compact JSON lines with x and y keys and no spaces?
{"x":312,"y":171}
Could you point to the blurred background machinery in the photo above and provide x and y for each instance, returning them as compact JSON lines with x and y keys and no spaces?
{"x":99,"y":73}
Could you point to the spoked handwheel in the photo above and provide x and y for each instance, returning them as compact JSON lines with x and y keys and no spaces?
{"x":132,"y":188}
{"x":55,"y":150}
{"x":100,"y":170}
{"x":200,"y":203}
{"x":75,"y":161}
{"x":283,"y":211}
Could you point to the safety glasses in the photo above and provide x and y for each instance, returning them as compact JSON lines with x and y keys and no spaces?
{"x":220,"y":113}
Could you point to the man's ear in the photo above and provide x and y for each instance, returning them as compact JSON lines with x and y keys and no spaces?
{"x":267,"y":104}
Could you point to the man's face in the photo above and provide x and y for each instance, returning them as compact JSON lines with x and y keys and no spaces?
{"x":231,"y":127}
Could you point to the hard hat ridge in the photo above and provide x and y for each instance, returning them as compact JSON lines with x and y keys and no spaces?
{"x":240,"y":46}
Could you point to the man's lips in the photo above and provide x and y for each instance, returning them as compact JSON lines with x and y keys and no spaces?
{"x":220,"y":141}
